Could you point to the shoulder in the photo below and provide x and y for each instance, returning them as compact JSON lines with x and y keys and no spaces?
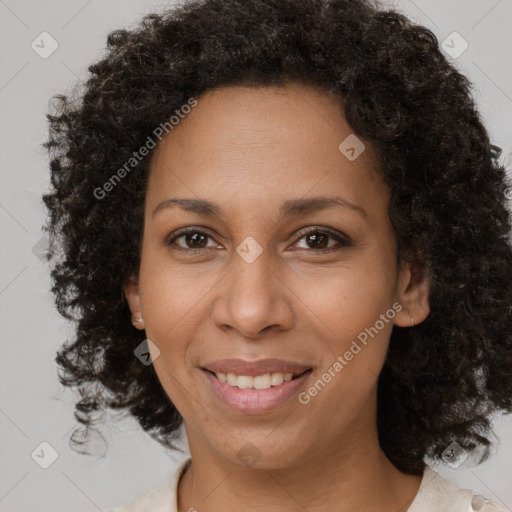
{"x":160,"y":499}
{"x":439,"y":493}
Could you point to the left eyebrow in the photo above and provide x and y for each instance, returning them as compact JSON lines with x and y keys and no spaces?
{"x":288,"y":208}
{"x":316,"y":204}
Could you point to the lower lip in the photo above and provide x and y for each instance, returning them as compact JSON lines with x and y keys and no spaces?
{"x":254,"y":401}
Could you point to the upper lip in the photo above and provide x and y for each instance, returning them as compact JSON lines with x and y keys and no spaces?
{"x":259,"y":367}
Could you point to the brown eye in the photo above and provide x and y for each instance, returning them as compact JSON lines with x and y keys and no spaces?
{"x":318,"y":240}
{"x":191,"y":239}
{"x":196,"y":240}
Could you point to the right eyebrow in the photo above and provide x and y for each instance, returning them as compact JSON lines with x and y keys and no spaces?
{"x":199,"y":206}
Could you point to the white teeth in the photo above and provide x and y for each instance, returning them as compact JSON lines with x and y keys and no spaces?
{"x":244,"y":382}
{"x":264,"y":381}
{"x":261,"y":381}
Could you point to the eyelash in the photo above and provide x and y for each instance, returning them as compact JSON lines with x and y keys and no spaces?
{"x":342,"y":240}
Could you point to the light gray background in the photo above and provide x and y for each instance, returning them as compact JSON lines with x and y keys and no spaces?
{"x":33,"y":406}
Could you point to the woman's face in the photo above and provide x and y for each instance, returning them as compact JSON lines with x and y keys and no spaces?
{"x":258,"y":278}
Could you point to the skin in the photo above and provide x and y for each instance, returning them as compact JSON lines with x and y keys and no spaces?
{"x":249,"y":150}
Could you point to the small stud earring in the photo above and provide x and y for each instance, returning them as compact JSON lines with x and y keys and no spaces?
{"x":138,"y":320}
{"x":412,"y":321}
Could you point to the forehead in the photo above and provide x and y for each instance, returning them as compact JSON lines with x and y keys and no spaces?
{"x":246,"y":141}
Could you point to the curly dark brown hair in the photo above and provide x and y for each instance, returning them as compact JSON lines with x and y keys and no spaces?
{"x":443,"y":379}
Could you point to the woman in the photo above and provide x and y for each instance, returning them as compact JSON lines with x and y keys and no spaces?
{"x":284,"y":225}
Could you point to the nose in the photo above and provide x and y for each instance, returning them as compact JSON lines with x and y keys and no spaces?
{"x":253,"y":298}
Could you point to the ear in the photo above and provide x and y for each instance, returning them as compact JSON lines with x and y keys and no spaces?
{"x":413,"y":294}
{"x":131,"y":292}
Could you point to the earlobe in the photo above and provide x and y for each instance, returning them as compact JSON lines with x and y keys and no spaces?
{"x":131,"y":293}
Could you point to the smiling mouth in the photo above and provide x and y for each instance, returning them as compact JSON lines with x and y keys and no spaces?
{"x":263,"y":381}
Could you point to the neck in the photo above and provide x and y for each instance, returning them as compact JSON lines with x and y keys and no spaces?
{"x":345,"y":474}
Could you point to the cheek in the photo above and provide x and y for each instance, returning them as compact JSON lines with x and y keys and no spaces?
{"x":355,"y":305}
{"x":348,"y":298}
{"x":352,"y":360}
{"x":172,"y":296}
{"x":170,"y":307}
